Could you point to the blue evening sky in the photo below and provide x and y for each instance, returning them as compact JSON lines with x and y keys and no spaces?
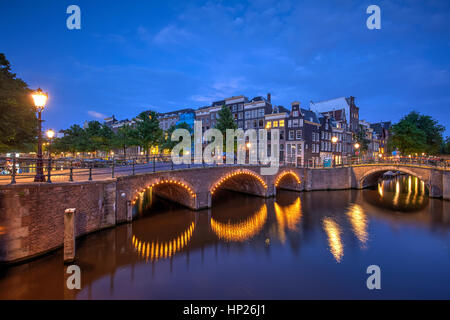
{"x":135,"y":55}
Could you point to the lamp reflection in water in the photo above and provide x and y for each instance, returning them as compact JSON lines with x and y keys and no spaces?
{"x":380,"y":188}
{"x":288,"y":217}
{"x":397,"y":193}
{"x":241,"y":231}
{"x":333,"y":232}
{"x":161,"y":250}
{"x":359,"y":223}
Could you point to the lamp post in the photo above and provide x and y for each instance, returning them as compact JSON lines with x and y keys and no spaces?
{"x":334,"y":140}
{"x":50,"y":134}
{"x":40,"y":99}
{"x":357,"y":146}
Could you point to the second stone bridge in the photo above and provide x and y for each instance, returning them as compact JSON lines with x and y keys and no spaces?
{"x":195,"y":188}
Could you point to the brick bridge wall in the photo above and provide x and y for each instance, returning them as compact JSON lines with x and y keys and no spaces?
{"x":31,"y":215}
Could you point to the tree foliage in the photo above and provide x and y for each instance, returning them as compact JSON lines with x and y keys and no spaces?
{"x":149,"y":134}
{"x":225,"y":120}
{"x":167,"y":142}
{"x":416,"y":133}
{"x":18,"y":120}
{"x":360,"y":137}
{"x":125,"y":137}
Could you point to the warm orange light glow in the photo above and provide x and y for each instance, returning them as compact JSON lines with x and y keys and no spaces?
{"x":40,"y":98}
{"x":356,"y":145}
{"x":165,"y":181}
{"x":285,"y":173}
{"x":359,"y":223}
{"x":243,"y":230}
{"x":50,"y":134}
{"x":334,"y":139}
{"x":334,"y":238}
{"x":236,"y":173}
{"x":161,"y":250}
{"x":288,"y":217}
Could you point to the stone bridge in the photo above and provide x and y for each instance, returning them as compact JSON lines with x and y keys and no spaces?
{"x":31,"y":215}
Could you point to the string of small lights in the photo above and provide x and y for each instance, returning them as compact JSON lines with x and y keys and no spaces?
{"x":161,"y":250}
{"x":234,"y":174}
{"x":165,"y":181}
{"x":284,"y":174}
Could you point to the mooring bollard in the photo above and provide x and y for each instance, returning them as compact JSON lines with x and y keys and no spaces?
{"x":69,"y":235}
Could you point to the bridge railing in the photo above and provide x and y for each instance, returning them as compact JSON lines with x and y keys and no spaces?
{"x":19,"y":169}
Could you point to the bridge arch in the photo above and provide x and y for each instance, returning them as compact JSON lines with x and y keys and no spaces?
{"x":288,"y":179}
{"x":176,"y":190}
{"x":370,"y":177}
{"x":241,"y":180}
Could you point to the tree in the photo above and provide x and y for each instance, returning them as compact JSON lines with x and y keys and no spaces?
{"x":149,"y":134}
{"x":167,"y":143}
{"x":74,"y":140}
{"x":446,"y":146}
{"x":18,"y":121}
{"x":125,"y":137}
{"x":362,"y":140}
{"x":225,"y":120}
{"x":416,"y":133}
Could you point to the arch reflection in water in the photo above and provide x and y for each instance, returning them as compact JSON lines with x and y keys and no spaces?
{"x":241,"y":231}
{"x":288,"y":217}
{"x":402,"y":193}
{"x":359,"y":222}
{"x":161,"y":250}
{"x":333,"y":232}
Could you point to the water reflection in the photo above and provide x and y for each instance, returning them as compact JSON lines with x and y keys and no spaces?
{"x":171,"y":252}
{"x":359,"y":222}
{"x":401,"y":193}
{"x":288,"y":217}
{"x":157,"y":250}
{"x":333,"y":232}
{"x":240,"y":231}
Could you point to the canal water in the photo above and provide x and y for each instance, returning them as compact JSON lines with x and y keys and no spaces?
{"x":310,"y":245}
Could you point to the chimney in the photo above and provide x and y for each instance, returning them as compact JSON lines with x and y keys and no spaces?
{"x":269,"y":98}
{"x":295,"y":105}
{"x":352,"y":100}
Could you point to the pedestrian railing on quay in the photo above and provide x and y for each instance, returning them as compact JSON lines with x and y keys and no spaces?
{"x":18,"y":169}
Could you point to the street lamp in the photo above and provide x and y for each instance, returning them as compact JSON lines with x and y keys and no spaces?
{"x":334,"y":140}
{"x":50,"y":134}
{"x":356,"y":145}
{"x":40,"y":99}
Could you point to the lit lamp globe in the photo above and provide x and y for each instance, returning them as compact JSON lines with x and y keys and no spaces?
{"x":334,"y":139}
{"x":357,"y":145}
{"x":50,"y":134}
{"x":40,"y":99}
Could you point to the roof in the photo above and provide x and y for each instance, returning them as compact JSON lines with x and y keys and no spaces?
{"x":309,"y":115}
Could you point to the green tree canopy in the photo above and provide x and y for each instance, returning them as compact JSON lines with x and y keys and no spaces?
{"x":416,"y":133}
{"x":125,"y":137}
{"x":360,"y":137}
{"x":225,"y":120}
{"x":149,"y":134}
{"x":167,"y":143}
{"x":18,"y":120}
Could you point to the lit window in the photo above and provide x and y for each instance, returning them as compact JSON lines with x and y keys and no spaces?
{"x":281,"y":123}
{"x":275,"y":124}
{"x":268,"y":124}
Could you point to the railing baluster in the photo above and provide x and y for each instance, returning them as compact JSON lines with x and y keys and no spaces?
{"x":49,"y":170}
{"x":13,"y":173}
{"x":90,"y":172}
{"x":71,"y":172}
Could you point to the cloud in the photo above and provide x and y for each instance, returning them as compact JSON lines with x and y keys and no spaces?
{"x":172,"y":34}
{"x":97,"y":115}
